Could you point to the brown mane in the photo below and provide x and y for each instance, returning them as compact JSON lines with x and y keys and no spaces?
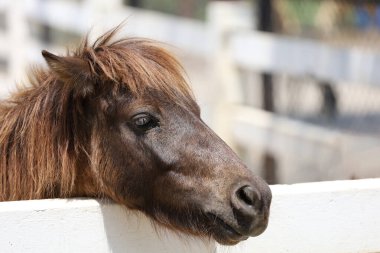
{"x":43,"y":137}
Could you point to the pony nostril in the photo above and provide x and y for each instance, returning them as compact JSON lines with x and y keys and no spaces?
{"x":247,"y":195}
{"x":246,"y":199}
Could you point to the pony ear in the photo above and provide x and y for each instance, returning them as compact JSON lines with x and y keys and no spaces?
{"x":67,"y":67}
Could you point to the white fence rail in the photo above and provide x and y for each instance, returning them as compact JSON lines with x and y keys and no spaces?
{"x":303,"y":57}
{"x":99,"y":16}
{"x":336,"y":217}
{"x":75,"y":225}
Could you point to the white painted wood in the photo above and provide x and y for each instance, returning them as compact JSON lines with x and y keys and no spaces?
{"x":102,"y":15}
{"x":336,"y":217}
{"x":222,"y":16}
{"x":296,"y":56}
{"x":257,"y":128}
{"x":75,"y":225}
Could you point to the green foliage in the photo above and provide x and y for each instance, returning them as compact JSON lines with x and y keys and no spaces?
{"x":188,"y":8}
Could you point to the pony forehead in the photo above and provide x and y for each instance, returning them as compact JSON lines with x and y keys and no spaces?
{"x":140,"y":64}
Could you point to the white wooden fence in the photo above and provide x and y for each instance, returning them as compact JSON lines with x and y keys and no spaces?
{"x":327,"y":217}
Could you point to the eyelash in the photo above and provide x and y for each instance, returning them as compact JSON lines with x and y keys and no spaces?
{"x":145,"y":122}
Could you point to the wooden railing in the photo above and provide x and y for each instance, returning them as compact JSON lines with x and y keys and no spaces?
{"x":336,"y":217}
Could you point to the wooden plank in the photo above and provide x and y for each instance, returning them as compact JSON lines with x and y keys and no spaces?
{"x":256,"y":128}
{"x":179,"y":32}
{"x":296,"y":56}
{"x":75,"y":225}
{"x":336,"y":217}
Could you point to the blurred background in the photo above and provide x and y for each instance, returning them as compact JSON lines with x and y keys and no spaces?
{"x":292,"y":85}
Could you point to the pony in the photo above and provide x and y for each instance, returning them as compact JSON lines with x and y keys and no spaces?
{"x":116,"y":119}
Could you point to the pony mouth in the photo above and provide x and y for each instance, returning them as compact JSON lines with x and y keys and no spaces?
{"x":224,"y":233}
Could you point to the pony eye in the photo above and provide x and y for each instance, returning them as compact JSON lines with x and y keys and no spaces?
{"x":144,"y":122}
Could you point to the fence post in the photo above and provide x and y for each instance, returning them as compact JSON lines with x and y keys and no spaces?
{"x":269,"y":163}
{"x":17,"y":34}
{"x":223,"y":18}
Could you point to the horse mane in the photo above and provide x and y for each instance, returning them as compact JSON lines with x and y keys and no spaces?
{"x":44,"y":141}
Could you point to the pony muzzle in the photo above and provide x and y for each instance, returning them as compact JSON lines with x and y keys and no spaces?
{"x":247,"y":214}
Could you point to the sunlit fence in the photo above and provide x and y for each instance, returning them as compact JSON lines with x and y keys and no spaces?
{"x":328,"y":217}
